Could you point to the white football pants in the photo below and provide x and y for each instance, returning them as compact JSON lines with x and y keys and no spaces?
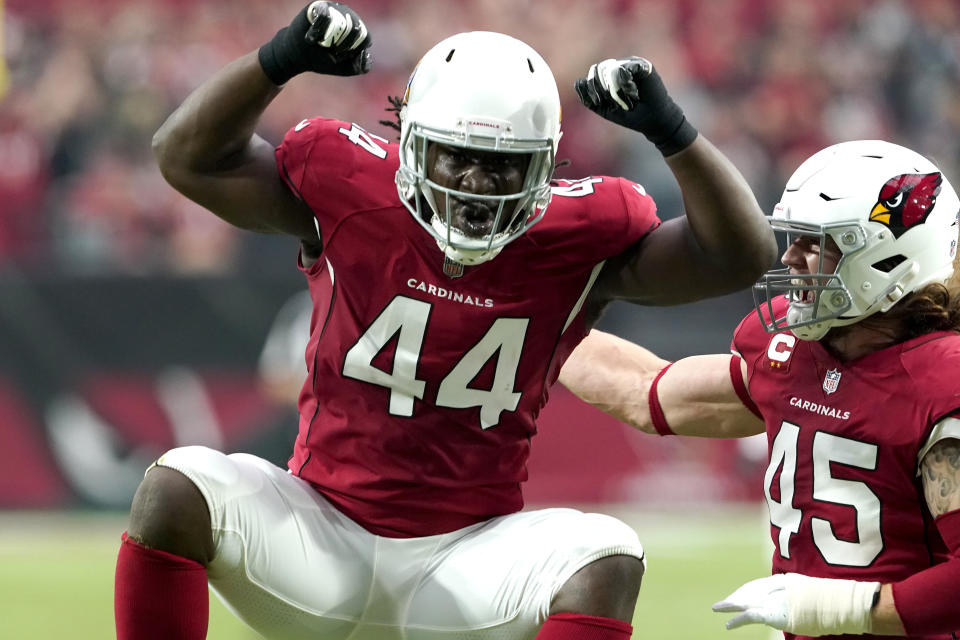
{"x":292,"y":566}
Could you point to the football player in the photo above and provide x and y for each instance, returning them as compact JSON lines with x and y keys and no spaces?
{"x":450,"y":278}
{"x":851,"y":364}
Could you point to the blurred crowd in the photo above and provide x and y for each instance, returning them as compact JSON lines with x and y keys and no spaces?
{"x":768,"y":81}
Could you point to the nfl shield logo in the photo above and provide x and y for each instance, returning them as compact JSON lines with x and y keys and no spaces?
{"x":452,"y":268}
{"x":831,"y":381}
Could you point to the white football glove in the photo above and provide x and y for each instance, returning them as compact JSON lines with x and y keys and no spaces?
{"x":340,"y":23}
{"x":803,"y":605}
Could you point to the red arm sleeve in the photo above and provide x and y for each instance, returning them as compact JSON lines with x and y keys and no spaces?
{"x":927,"y":601}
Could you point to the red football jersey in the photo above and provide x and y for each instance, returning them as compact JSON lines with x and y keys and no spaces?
{"x":842,"y":485}
{"x":423,"y":389}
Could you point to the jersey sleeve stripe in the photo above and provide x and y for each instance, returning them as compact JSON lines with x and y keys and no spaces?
{"x":656,"y":411}
{"x":736,"y":377}
{"x":583,"y":295}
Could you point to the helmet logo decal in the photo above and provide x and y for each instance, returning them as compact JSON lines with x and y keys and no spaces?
{"x":406,"y":91}
{"x":481,"y":123}
{"x":906,"y":201}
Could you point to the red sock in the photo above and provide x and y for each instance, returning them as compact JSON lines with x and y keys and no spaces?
{"x":159,"y":596}
{"x":573,"y":626}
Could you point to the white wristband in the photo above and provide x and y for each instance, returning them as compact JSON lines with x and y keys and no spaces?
{"x":824,"y":606}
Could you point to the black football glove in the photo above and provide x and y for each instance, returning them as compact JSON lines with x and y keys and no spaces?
{"x":325,"y":37}
{"x":629,"y":92}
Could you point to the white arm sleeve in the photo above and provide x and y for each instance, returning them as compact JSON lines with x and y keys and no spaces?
{"x":946,"y":428}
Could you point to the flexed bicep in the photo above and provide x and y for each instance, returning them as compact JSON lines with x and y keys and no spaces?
{"x":207,"y":151}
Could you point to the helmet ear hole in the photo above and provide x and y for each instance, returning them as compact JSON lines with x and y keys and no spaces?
{"x":888,"y":264}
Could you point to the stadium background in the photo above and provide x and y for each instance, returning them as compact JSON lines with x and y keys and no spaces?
{"x":132,"y":321}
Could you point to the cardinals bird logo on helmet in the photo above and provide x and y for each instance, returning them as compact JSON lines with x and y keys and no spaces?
{"x":906,"y":200}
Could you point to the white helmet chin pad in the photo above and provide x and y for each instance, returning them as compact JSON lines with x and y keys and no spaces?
{"x":462,"y":248}
{"x":892,"y":215}
{"x":488,"y":92}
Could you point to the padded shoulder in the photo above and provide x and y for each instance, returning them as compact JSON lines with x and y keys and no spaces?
{"x":750,"y":339}
{"x":337,"y":167}
{"x":933,"y":364}
{"x":599,"y":216}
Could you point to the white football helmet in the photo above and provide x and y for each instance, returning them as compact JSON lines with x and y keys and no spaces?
{"x":892,"y":214}
{"x":486,"y":91}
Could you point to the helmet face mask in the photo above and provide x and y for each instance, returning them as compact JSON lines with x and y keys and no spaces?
{"x":817,"y":300}
{"x":487,"y":93}
{"x":891,"y":215}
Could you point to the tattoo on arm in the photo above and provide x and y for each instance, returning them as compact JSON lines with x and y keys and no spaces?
{"x":941,"y":476}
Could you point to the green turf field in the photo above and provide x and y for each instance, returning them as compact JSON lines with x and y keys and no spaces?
{"x":56,"y":575}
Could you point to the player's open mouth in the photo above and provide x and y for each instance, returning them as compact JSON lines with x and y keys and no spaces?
{"x":805,"y":295}
{"x":473,"y":219}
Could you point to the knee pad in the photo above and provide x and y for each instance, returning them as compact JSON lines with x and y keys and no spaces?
{"x":196,"y":461}
{"x":219,"y":477}
{"x":613,"y":535}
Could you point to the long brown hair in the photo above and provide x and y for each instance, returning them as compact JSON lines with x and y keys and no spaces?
{"x":936,"y":307}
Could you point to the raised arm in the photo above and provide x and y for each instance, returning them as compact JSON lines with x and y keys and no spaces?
{"x":207,"y":148}
{"x":696,"y":394}
{"x":207,"y":151}
{"x":723,"y":243}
